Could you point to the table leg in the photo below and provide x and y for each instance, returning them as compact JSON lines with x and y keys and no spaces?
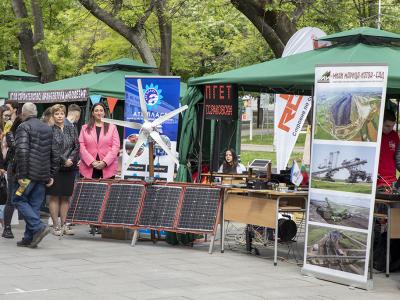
{"x":222,"y":227}
{"x":276,"y":232}
{"x":388,"y":234}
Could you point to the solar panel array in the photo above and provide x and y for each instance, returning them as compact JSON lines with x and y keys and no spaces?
{"x":123,"y":204}
{"x":158,"y":206}
{"x":90,"y":201}
{"x":199,"y":209}
{"x":74,"y":201}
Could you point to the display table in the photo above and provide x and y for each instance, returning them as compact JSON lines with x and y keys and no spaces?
{"x":260,"y":207}
{"x":393,"y":224}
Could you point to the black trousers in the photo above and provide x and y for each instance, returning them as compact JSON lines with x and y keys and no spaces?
{"x":9,"y":208}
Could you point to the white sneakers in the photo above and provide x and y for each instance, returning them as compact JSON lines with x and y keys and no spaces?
{"x":65,"y":230}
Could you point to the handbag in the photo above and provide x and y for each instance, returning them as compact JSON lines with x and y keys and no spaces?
{"x":3,"y":190}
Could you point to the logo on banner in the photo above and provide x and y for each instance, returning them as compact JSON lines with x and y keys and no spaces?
{"x":289,"y":113}
{"x":152,"y":95}
{"x":325,"y":77}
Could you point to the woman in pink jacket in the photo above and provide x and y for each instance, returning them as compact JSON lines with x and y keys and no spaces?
{"x":99,"y":146}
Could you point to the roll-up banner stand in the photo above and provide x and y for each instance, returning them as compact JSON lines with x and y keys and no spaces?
{"x":161,"y":94}
{"x":349,"y":103}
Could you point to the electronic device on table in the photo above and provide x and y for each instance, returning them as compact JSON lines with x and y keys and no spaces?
{"x":391,"y":193}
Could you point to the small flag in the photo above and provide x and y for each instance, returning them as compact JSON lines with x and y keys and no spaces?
{"x":295,"y":174}
{"x":304,"y":172}
{"x":111,"y":103}
{"x":95,"y":99}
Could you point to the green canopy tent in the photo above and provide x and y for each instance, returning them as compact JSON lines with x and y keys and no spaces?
{"x":295,"y":74}
{"x":11,"y":80}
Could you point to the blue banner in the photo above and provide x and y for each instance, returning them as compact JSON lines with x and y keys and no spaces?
{"x":162,"y":96}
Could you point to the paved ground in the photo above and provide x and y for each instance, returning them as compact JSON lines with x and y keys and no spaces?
{"x":83,"y":267}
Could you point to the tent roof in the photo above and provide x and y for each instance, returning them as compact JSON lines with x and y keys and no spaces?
{"x":123,"y":64}
{"x":295,"y":73}
{"x":15,"y":80}
{"x":13,"y":85}
{"x":365,"y":35}
{"x":16,"y":74}
{"x":107,"y":83}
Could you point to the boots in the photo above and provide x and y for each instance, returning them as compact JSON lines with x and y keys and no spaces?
{"x":7,"y":233}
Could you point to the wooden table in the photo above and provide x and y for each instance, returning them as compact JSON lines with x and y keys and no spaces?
{"x":260,"y":207}
{"x":393,"y":225}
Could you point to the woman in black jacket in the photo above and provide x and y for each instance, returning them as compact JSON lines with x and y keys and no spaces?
{"x":60,"y":192}
{"x":11,"y":180}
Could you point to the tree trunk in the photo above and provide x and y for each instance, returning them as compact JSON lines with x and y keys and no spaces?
{"x":165,"y":28}
{"x":135,"y":35}
{"x":36,"y":56}
{"x":25,"y":37}
{"x":48,"y":70}
{"x":274,"y":24}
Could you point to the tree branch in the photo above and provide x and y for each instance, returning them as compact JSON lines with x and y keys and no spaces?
{"x":134,"y":35}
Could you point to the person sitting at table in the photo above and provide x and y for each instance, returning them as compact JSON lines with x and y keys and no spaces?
{"x":389,"y":158}
{"x":230,"y":164}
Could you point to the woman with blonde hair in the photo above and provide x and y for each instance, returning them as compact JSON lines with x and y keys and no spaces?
{"x":66,"y":139}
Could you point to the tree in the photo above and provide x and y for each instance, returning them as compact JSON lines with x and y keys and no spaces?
{"x":275,"y":20}
{"x":134,"y":34}
{"x":32,"y":42}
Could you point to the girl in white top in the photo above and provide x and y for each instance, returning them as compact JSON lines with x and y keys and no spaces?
{"x":231,"y":164}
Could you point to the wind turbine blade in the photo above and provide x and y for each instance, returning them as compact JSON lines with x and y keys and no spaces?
{"x":157,"y":138}
{"x":143,"y":105}
{"x":139,"y":143}
{"x":167,"y":116}
{"x":127,"y":124}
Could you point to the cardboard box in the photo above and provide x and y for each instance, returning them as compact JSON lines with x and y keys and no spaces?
{"x":116,"y":233}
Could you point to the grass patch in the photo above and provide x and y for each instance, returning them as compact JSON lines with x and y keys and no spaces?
{"x":359,"y":187}
{"x":267,"y":139}
{"x":248,"y":156}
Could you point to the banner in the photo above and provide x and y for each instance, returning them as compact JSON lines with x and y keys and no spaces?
{"x":221,"y":102}
{"x":50,"y":96}
{"x":291,"y":111}
{"x":290,"y":114}
{"x":348,"y":115}
{"x":162,"y":96}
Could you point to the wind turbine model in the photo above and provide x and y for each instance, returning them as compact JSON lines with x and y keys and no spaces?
{"x":148,"y":132}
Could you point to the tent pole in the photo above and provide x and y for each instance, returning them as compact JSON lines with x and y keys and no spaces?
{"x":201,"y":144}
{"x":397,"y":123}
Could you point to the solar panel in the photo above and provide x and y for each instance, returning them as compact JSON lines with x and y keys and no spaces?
{"x":74,"y":200}
{"x":123,"y":204}
{"x":199,"y":209}
{"x":90,"y":201}
{"x":259,"y":163}
{"x":160,"y":205}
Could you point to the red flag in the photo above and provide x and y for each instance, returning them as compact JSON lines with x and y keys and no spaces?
{"x":111,"y":103}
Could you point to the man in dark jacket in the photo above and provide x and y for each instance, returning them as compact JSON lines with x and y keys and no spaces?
{"x":36,"y":157}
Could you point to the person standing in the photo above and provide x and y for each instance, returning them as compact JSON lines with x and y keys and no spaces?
{"x":11,"y":181}
{"x":387,"y":157}
{"x":13,"y":107}
{"x":74,"y":115}
{"x":99,"y":146}
{"x":67,"y":142}
{"x":37,"y":159}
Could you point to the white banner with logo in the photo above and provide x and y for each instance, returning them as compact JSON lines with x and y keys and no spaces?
{"x":349,"y":102}
{"x":291,"y":111}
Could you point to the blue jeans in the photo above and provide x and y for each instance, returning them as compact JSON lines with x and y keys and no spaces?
{"x":29,"y":206}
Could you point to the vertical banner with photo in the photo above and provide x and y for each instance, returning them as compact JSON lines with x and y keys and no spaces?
{"x":349,"y":103}
{"x":161,"y":94}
